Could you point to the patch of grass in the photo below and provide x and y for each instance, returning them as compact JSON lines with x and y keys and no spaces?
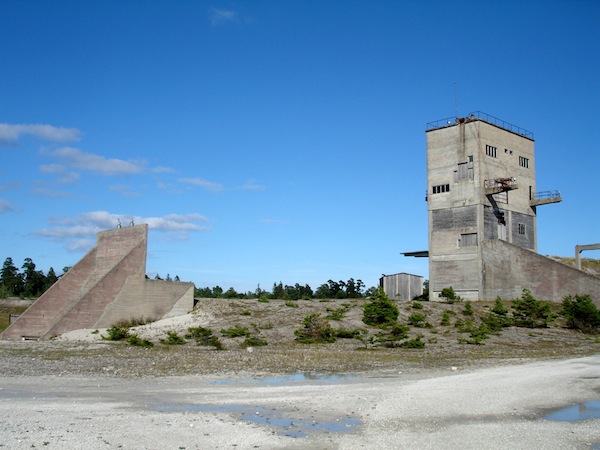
{"x":291,"y":303}
{"x":246,"y":312}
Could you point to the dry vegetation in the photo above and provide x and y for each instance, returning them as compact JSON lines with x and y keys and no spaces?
{"x":275,"y":322}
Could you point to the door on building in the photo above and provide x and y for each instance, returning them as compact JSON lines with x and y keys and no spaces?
{"x":502,"y":231}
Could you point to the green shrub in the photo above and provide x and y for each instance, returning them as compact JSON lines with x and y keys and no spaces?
{"x":337,"y":313}
{"x":135,"y":340}
{"x":417,"y":319}
{"x":235,"y":331}
{"x":263,"y":298}
{"x":446,"y":318}
{"x":581,"y":313}
{"x":529,"y":312}
{"x":468,"y":310}
{"x":343,"y":333}
{"x":380,"y":311}
{"x":416,"y":305}
{"x":399,"y":332}
{"x":316,"y":330}
{"x":477,"y":334}
{"x":253,"y":341}
{"x":499,"y":308}
{"x":246,"y":312}
{"x":117,"y":333}
{"x":204,"y":336}
{"x":291,"y":303}
{"x":496,"y":322}
{"x":172,"y":339}
{"x":414,"y":343}
{"x":449,"y":294}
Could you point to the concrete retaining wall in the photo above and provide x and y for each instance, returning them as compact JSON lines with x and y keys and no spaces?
{"x":508,"y":269}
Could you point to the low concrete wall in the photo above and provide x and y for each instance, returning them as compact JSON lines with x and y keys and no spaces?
{"x":508,"y":269}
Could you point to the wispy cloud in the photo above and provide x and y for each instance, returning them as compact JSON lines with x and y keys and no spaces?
{"x":252,"y":185}
{"x":64,"y":175}
{"x":221,"y":16}
{"x":5,"y":206}
{"x":216,"y":187}
{"x":11,"y":133}
{"x":124,"y":190}
{"x":48,"y":192}
{"x":163,"y":169}
{"x":77,"y":233}
{"x":75,"y":158}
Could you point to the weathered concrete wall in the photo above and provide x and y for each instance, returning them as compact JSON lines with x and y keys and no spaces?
{"x":508,"y":269}
{"x":106,"y":286}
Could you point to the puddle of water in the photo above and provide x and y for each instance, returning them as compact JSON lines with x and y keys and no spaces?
{"x":287,"y":426}
{"x":580,"y":411}
{"x":289,"y":378}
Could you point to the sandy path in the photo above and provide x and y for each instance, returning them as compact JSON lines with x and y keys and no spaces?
{"x":500,"y":407}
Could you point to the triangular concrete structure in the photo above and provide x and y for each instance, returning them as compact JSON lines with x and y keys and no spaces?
{"x":108,"y":285}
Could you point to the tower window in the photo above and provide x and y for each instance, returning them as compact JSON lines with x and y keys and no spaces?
{"x":522,"y":228}
{"x":440,"y":188}
{"x":490,"y":151}
{"x":524,"y":162}
{"x":468,"y":240}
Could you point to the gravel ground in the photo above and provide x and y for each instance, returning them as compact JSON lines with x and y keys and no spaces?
{"x":79,"y":391}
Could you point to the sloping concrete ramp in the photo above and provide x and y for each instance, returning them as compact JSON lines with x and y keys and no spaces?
{"x":108,"y":285}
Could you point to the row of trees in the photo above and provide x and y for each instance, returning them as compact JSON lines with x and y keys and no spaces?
{"x":26,"y":283}
{"x":332,"y":289}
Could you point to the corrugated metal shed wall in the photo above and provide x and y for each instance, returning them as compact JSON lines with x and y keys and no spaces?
{"x":402,"y":286}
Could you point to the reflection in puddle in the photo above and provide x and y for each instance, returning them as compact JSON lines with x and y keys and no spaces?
{"x":289,"y":378}
{"x":580,"y":411}
{"x":287,"y":426}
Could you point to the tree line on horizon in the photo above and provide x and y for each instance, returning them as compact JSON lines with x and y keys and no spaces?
{"x":329,"y":290}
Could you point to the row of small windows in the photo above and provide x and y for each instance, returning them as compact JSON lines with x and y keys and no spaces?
{"x":440,"y":188}
{"x":493,"y":152}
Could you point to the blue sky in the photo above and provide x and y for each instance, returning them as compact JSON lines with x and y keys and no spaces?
{"x":267,"y":141}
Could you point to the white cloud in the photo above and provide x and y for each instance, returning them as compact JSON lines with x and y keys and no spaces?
{"x":220,"y":16}
{"x":11,"y":133}
{"x":95,"y":163}
{"x":5,"y":206}
{"x":202,"y":183}
{"x":77,"y":232}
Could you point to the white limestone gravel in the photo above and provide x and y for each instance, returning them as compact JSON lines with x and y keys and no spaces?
{"x":493,"y":408}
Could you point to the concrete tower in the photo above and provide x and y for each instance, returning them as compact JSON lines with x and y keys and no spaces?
{"x":481,"y":189}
